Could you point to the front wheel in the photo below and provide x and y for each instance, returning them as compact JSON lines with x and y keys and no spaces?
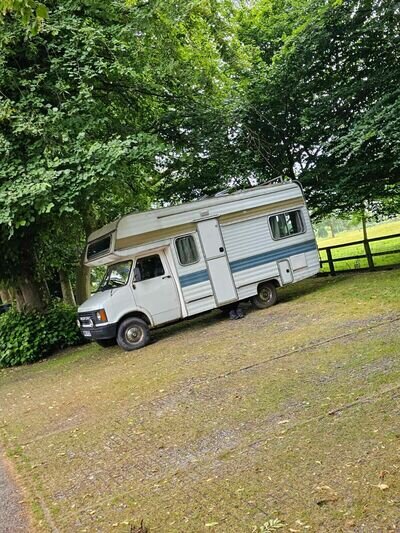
{"x":266,"y":296}
{"x":133,"y":333}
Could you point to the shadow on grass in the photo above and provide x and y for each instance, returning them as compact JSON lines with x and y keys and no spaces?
{"x":286,"y":294}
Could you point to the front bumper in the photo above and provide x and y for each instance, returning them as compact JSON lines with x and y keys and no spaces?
{"x":92,"y":330}
{"x":100,"y":332}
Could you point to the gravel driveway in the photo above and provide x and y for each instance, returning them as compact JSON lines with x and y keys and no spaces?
{"x":12,"y":515}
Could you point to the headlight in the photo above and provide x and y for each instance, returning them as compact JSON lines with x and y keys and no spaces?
{"x":101,"y":315}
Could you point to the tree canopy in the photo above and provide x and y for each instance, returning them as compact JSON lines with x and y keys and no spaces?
{"x":110,"y":107}
{"x":323,"y":98}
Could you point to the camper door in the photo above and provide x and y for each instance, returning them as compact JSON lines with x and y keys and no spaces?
{"x":217,"y":262}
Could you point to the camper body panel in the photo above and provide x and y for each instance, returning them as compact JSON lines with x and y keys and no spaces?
{"x":255,"y":255}
{"x":237,"y":242}
{"x":139,"y":224}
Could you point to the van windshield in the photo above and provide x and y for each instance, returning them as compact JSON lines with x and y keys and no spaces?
{"x":117,"y":275}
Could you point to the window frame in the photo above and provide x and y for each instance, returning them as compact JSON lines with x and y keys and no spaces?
{"x":304,"y":229}
{"x":144,"y":257}
{"x":177,"y":252}
{"x":111,"y":265}
{"x":103,"y":252}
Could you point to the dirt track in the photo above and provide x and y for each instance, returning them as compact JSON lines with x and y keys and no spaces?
{"x":291,"y":414}
{"x":12,"y":510}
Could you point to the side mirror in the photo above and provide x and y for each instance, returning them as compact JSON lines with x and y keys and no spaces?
{"x":137,"y":275}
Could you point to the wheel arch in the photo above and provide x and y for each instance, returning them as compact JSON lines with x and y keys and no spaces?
{"x":274,"y":282}
{"x":135,"y":314}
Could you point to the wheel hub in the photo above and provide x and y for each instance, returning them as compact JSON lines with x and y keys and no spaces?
{"x":134,"y":334}
{"x":265,"y":294}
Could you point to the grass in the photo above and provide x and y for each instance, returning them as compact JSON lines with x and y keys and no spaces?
{"x":222,"y":425}
{"x":378,"y":230}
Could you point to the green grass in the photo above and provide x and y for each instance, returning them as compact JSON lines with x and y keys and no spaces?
{"x":378,"y":230}
{"x":220,"y":422}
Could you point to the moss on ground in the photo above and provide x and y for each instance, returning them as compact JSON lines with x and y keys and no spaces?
{"x":291,"y":413}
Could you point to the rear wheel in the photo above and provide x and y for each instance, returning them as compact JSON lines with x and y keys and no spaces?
{"x":266,"y":296}
{"x":106,"y":343}
{"x":133,"y":333}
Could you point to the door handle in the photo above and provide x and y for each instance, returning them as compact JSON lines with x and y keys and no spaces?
{"x":166,"y":277}
{"x":221,"y":249}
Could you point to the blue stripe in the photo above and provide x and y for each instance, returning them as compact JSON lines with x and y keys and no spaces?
{"x":192,"y":279}
{"x":252,"y":261}
{"x":273,"y":255}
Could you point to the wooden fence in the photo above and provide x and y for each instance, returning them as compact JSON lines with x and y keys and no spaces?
{"x":331,"y":260}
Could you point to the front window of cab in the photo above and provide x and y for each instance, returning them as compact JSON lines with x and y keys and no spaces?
{"x":117,"y":275}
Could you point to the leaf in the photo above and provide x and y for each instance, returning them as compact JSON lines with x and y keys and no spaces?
{"x":41,"y":11}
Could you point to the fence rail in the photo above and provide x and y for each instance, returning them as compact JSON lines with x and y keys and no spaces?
{"x":369,"y":255}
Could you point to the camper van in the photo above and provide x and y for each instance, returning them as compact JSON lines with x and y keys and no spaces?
{"x":172,"y":263}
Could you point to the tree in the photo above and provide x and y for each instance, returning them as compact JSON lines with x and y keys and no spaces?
{"x":323,"y":99}
{"x":83,"y":111}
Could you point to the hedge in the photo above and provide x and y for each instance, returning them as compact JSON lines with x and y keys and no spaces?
{"x":26,"y":337}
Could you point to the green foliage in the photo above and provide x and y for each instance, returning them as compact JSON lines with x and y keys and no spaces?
{"x":323,"y":99}
{"x":30,"y":12}
{"x":94,"y":114}
{"x":113,"y":107}
{"x":29,"y":336}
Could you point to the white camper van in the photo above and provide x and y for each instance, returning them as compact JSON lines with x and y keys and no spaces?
{"x":171,"y":263}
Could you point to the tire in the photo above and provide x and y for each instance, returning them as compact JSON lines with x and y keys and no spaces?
{"x":266,"y":297}
{"x":106,"y":343}
{"x":133,"y":333}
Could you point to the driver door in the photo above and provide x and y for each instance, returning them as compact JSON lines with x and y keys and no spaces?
{"x":155,"y":289}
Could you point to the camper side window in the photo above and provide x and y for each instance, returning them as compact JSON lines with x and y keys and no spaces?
{"x":150,"y":267}
{"x":187,"y":250}
{"x":286,"y":224}
{"x":100,"y":247}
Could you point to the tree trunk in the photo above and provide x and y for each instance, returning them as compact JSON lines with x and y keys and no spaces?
{"x":17,"y":296}
{"x":82,"y":282}
{"x":66,"y":288}
{"x":32,"y":295}
{"x":82,"y":289}
{"x":33,"y":292}
{"x":5,"y":296}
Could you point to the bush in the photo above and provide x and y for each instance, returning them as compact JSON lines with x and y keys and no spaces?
{"x":29,"y":336}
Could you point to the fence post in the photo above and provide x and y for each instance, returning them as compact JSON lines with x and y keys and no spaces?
{"x":330,"y":262}
{"x":369,"y":255}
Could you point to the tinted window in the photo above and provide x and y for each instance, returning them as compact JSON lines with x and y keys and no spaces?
{"x":102,"y":246}
{"x":150,"y":267}
{"x":286,"y":224}
{"x":187,"y":250}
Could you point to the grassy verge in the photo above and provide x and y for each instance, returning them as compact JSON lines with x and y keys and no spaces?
{"x":290,"y":414}
{"x":380,"y":230}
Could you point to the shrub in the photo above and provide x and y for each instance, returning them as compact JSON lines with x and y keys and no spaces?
{"x":29,"y":336}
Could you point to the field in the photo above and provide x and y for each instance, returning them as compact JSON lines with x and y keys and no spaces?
{"x":378,"y":230}
{"x":289,"y":417}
